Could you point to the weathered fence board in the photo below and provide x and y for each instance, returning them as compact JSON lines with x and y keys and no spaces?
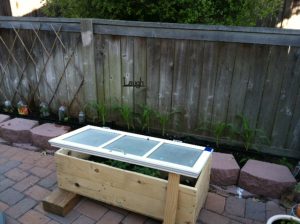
{"x":210,"y":74}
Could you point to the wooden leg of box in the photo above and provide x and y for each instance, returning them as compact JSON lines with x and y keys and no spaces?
{"x":60,"y":202}
{"x":171,"y":199}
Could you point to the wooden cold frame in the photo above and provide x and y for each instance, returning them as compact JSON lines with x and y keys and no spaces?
{"x":129,"y":190}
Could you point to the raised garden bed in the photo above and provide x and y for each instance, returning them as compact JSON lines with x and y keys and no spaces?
{"x":127,"y":189}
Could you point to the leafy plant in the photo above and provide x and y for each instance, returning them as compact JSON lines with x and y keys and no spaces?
{"x":127,"y":115}
{"x":100,"y":109}
{"x":219,"y":130}
{"x":248,"y":134}
{"x":284,"y":161}
{"x":146,"y":171}
{"x":230,"y":12}
{"x":117,"y":164}
{"x":145,"y":117}
{"x":164,"y":119}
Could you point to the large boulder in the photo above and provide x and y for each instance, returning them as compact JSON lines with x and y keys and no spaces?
{"x":225,"y":170}
{"x":265,"y":179}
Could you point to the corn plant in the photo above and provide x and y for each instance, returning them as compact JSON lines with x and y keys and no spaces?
{"x":218,"y":130}
{"x":100,"y":109}
{"x":145,"y":117}
{"x":127,"y":115}
{"x":248,"y":134}
{"x":164,"y":119}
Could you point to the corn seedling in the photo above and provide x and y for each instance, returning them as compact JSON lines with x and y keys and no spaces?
{"x":164,"y":119}
{"x":100,"y":109}
{"x":248,"y":134}
{"x":145,"y":117}
{"x":218,"y":130}
{"x":127,"y":115}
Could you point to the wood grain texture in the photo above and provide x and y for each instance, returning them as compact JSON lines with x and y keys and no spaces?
{"x":126,"y":189}
{"x":208,"y":80}
{"x":171,"y":199}
{"x":60,"y":202}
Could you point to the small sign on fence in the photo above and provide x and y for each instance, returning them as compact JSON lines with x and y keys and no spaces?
{"x":136,"y":84}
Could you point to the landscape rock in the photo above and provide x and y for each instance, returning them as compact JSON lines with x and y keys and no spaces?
{"x":265,"y":179}
{"x":42,"y":134}
{"x":17,"y":130}
{"x":225,"y":170}
{"x":4,"y":118}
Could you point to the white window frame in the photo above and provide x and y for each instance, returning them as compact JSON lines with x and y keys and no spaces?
{"x":129,"y":158}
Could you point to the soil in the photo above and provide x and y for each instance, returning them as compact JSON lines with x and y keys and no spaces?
{"x":240,"y":154}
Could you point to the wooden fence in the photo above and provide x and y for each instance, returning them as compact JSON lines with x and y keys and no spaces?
{"x":210,"y":73}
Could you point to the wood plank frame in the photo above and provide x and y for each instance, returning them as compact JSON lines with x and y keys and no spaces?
{"x":129,"y":190}
{"x":254,"y":35}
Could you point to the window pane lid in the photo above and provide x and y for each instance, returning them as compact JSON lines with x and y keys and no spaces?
{"x":91,"y":137}
{"x":176,"y":154}
{"x":165,"y":155}
{"x":132,"y":145}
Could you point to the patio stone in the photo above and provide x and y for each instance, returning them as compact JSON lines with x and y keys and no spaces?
{"x":38,"y":193}
{"x":3,"y":206}
{"x":111,"y":217}
{"x":16,"y":174}
{"x":34,"y":217}
{"x":17,"y":130}
{"x":91,"y":209}
{"x":83,"y":219}
{"x":265,"y":179}
{"x":5,"y":183}
{"x":42,"y":134}
{"x":21,"y":207}
{"x":133,"y":218}
{"x":26,"y":183}
{"x":255,"y":210}
{"x":215,"y":203}
{"x":10,"y":196}
{"x":235,"y":206}
{"x":208,"y":217}
{"x":4,"y":118}
{"x":273,"y":208}
{"x":224,"y":169}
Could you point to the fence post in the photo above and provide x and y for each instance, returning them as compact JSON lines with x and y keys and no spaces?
{"x":88,"y":57}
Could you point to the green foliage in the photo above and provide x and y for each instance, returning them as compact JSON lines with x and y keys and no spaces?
{"x":218,"y":130}
{"x":164,"y":119}
{"x":230,"y":12}
{"x":100,"y":109}
{"x":127,"y":115}
{"x":297,"y":187}
{"x":145,"y":117}
{"x":248,"y":134}
{"x":135,"y":168}
{"x":146,"y":171}
{"x":284,"y":161}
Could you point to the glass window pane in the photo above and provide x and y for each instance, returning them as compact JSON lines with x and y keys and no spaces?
{"x":92,"y":137}
{"x":176,"y":154}
{"x":132,"y":145}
